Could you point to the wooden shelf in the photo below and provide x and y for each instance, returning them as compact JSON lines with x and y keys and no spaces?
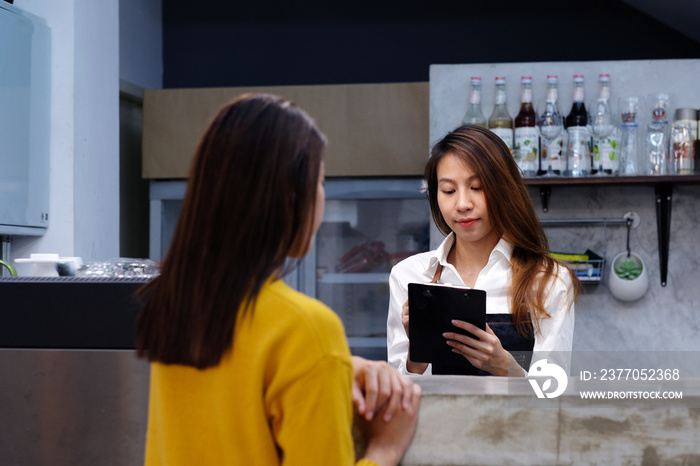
{"x":663,"y":189}
{"x":593,"y":180}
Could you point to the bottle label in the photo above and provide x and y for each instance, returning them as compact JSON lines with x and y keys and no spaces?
{"x":683,"y":158}
{"x":629,"y":118}
{"x":606,"y":153}
{"x":553,"y":156}
{"x":475,"y":97}
{"x":659,"y":112}
{"x":578,"y":94}
{"x":578,"y":151}
{"x":526,"y":96}
{"x":500,"y":97}
{"x":526,"y":148}
{"x":693,"y":127}
{"x":506,"y":134}
{"x":552,"y":95}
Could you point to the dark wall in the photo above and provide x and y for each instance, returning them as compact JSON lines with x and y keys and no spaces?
{"x":269,"y":42}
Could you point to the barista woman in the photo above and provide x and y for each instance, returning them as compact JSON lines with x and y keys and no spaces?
{"x":245,"y":370}
{"x":494,"y":242}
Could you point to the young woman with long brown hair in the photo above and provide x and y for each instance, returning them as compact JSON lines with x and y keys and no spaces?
{"x":494,"y":242}
{"x":245,"y":370}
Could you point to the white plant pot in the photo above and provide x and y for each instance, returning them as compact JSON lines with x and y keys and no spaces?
{"x":628,"y":290}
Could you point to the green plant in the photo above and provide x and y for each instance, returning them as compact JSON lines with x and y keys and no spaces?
{"x":628,"y":270}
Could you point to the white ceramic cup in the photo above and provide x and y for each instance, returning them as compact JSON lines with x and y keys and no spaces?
{"x":628,"y":290}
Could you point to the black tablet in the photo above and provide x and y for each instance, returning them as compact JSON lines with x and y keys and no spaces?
{"x":431,"y":309}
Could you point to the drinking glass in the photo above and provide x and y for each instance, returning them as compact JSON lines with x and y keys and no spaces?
{"x":551,"y":124}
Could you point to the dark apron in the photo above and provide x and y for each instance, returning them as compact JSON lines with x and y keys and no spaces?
{"x":504,"y":328}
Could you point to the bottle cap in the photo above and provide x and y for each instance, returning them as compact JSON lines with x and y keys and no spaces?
{"x":476,"y":80}
{"x":685,"y":114}
{"x":526,"y":79}
{"x":500,"y":80}
{"x":552,"y":78}
{"x":604,"y":77}
{"x":578,"y":78}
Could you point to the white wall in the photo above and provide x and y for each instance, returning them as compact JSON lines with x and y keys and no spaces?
{"x":84,"y":165}
{"x":96,"y":155}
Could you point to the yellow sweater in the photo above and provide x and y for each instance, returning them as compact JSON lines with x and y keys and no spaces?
{"x":282,"y":396}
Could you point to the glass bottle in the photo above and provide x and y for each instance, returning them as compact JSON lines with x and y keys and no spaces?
{"x":526,"y":146}
{"x":606,"y":137}
{"x":578,"y":160}
{"x":629,"y":135}
{"x":500,"y":121}
{"x":657,"y":135}
{"x":683,"y":136}
{"x":551,"y":124}
{"x":474,"y":115}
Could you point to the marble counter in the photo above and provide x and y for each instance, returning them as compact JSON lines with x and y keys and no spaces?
{"x":495,"y":421}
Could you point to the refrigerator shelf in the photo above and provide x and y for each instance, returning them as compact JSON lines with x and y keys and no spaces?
{"x":353,"y":278}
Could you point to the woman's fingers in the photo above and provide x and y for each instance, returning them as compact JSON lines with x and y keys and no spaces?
{"x":394,"y":402}
{"x":479,"y":348}
{"x":484,"y":352}
{"x":476,"y":357}
{"x":485,"y":340}
{"x":380,"y":387}
{"x":358,"y":398}
{"x":407,"y":390}
{"x":371,"y":388}
{"x":471,"y":328}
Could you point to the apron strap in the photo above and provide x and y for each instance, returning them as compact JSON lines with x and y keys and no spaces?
{"x":438,"y":273}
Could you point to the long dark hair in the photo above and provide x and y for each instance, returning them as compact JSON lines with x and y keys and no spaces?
{"x":249,"y":204}
{"x":511,"y":213}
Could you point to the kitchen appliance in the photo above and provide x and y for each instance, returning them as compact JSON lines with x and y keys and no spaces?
{"x":24,"y":123}
{"x":369,"y":224}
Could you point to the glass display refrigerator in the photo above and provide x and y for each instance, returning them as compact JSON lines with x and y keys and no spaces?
{"x":369,"y":225}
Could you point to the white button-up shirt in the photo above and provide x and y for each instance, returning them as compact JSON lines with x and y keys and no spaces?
{"x":554,"y":333}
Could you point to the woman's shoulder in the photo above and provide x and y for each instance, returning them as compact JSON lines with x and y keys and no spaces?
{"x":291,"y":333}
{"x":293,"y":302}
{"x":562,"y":275}
{"x":559,"y":282}
{"x":292,"y":311}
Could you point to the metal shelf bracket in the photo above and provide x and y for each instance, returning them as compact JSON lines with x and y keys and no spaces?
{"x":663,"y":188}
{"x":545,"y":192}
{"x":664,"y":194}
